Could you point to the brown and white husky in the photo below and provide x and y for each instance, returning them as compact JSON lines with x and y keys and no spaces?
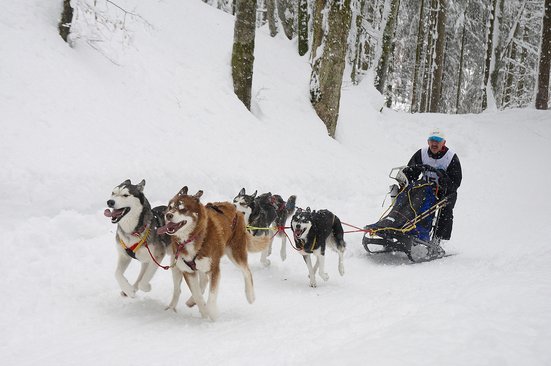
{"x":201,"y":235}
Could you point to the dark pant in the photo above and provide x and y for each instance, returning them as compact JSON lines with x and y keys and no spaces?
{"x":444,"y":223}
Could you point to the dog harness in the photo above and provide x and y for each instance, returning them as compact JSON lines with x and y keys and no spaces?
{"x":191,"y":264}
{"x":302,"y":244}
{"x":131,"y":251}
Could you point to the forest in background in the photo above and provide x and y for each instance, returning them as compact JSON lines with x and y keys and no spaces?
{"x":488,"y":50}
{"x":438,"y":56}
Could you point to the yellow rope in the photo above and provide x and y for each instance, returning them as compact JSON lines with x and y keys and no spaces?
{"x":140,"y":243}
{"x":416,"y":219}
{"x":261,"y":228}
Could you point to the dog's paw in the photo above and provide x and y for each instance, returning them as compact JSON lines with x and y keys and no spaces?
{"x":265,"y":262}
{"x":341,"y":269}
{"x":283,"y":255}
{"x":129,"y":291}
{"x":324,"y":276}
{"x":145,"y":287}
{"x":212,"y":312}
{"x":170,"y":307}
{"x":313,"y":284}
{"x":190,"y":302}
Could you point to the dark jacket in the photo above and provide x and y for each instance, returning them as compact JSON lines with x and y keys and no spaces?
{"x":453,"y":171}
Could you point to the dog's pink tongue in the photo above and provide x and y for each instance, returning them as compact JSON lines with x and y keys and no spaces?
{"x":162,"y":230}
{"x":107,"y":213}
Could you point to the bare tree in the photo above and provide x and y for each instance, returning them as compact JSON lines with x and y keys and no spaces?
{"x":271,"y":16}
{"x":243,"y":50}
{"x":436,"y":91}
{"x":387,"y":48}
{"x":328,"y":67}
{"x":418,"y":55}
{"x":287,"y":10}
{"x":490,"y":50}
{"x":542,"y":97}
{"x":64,"y":25}
{"x":302,"y":27}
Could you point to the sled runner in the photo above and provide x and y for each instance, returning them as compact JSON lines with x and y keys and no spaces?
{"x":408,"y":224}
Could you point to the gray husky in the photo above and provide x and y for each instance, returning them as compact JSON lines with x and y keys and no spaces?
{"x":312,"y":231}
{"x":137,"y":236}
{"x":266,"y":214}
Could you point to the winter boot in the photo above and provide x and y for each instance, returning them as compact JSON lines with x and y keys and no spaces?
{"x":436,"y":250}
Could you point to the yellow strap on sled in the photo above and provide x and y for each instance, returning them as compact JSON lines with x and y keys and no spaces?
{"x":417,"y":218}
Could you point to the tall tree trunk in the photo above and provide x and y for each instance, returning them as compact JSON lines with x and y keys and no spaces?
{"x":436,"y":91}
{"x":542,"y":97}
{"x":243,"y":50}
{"x":418,"y":53}
{"x":328,"y":68}
{"x":509,"y":77}
{"x":302,"y":27}
{"x":489,"y":53}
{"x":271,"y":15}
{"x":427,"y":69}
{"x":286,"y":11}
{"x":317,"y":29}
{"x":64,"y":25}
{"x":460,"y":77}
{"x":388,"y":40}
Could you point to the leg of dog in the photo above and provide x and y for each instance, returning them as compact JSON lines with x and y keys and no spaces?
{"x":247,"y":276}
{"x":320,"y":262}
{"x":143,"y":267}
{"x":150,"y":270}
{"x":213,"y":293}
{"x":264,"y":256}
{"x":341,"y":261}
{"x":122,"y":265}
{"x":311,"y":272}
{"x":283,"y":251}
{"x":192,"y":280}
{"x":177,"y":281}
{"x":203,"y":281}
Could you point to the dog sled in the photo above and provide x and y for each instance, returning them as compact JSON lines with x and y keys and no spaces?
{"x":408,"y":224}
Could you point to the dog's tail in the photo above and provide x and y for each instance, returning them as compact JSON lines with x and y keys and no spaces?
{"x":287,"y":210}
{"x":338,"y":234}
{"x":290,"y":205}
{"x":258,"y":243}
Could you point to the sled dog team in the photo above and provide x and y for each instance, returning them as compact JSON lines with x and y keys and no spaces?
{"x":197,"y":235}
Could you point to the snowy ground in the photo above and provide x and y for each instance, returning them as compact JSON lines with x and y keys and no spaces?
{"x":156,"y":102}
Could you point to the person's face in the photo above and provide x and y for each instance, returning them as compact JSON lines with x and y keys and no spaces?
{"x":436,"y":146}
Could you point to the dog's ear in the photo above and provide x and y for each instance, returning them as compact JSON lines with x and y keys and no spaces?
{"x":141,"y":185}
{"x":242,"y":192}
{"x":183,"y":191}
{"x":308,"y":209}
{"x":198,"y":194}
{"x":298,"y":210}
{"x":254,"y":194}
{"x":126,"y":183}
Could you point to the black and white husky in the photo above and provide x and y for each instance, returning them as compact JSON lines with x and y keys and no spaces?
{"x":136,"y":236}
{"x":312,"y":231}
{"x":266,"y":214}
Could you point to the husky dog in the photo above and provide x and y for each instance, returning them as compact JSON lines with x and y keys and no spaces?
{"x":264,"y":212}
{"x":312,"y":230}
{"x":201,"y":235}
{"x":136,"y":236}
